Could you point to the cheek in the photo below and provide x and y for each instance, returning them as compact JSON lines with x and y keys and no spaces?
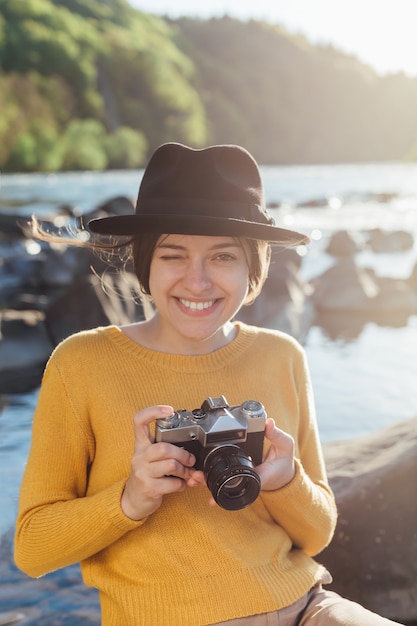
{"x":161,"y":277}
{"x":241,"y":283}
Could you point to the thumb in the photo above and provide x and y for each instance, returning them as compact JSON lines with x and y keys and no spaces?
{"x":280,"y":441}
{"x":143,"y":418}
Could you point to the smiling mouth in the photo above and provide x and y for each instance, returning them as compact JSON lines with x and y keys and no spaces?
{"x":197,"y":306}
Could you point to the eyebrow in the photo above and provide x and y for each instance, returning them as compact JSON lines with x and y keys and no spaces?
{"x":217,"y":246}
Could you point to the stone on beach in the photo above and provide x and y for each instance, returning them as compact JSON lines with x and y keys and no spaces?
{"x":373,"y":556}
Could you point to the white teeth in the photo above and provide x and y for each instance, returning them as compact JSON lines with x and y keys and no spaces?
{"x":197,"y":306}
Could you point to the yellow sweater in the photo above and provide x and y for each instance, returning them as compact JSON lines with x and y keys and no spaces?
{"x":188,"y":564}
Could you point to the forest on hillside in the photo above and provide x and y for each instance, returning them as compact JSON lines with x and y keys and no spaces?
{"x":96,"y":84}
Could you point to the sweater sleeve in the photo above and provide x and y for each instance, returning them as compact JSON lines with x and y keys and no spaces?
{"x":58,"y":524}
{"x":305,"y":508}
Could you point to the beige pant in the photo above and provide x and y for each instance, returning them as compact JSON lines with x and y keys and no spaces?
{"x":317,"y":608}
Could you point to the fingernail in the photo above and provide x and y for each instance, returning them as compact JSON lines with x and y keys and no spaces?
{"x":166,"y":410}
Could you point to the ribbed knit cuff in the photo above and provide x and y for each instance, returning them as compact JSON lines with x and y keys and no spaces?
{"x":115,"y":511}
{"x":293,"y":500}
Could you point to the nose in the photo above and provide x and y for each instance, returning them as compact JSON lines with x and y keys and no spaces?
{"x":197,"y":277}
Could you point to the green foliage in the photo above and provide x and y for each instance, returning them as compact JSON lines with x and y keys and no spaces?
{"x":52,"y":42}
{"x":153,"y":90}
{"x":37,"y":149}
{"x":116,"y":11}
{"x":27,"y":119}
{"x":92,"y":84}
{"x":92,"y":60}
{"x":83,"y":146}
{"x":126,"y":149}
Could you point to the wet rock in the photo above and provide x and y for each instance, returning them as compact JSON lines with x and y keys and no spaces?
{"x":412,"y":279}
{"x":90,"y":302}
{"x":10,"y":224}
{"x":373,"y":556}
{"x":35,"y":267}
{"x":347,"y":287}
{"x":284,"y":302}
{"x":61,"y":265}
{"x":28,"y":337}
{"x":118,"y":205}
{"x":312,"y":203}
{"x":344,"y":286}
{"x":389,"y":241}
{"x":24,"y":349}
{"x":343,"y":244}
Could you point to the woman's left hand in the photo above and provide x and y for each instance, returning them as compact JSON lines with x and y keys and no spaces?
{"x":278,"y":467}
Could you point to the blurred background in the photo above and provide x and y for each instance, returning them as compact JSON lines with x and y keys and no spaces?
{"x":324,"y":95}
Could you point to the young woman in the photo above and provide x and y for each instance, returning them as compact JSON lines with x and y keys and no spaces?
{"x":137,"y":513}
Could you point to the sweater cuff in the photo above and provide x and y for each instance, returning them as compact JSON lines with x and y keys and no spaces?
{"x":294,"y":494}
{"x":115,"y":511}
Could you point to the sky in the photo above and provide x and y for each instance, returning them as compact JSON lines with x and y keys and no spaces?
{"x":381,"y":33}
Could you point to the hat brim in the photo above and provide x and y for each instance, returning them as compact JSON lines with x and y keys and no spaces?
{"x":129,"y":225}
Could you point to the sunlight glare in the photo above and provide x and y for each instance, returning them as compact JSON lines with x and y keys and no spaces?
{"x":32,"y":247}
{"x":316,"y":234}
{"x":301,"y":250}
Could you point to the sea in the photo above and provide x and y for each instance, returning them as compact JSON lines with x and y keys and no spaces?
{"x":363,"y":380}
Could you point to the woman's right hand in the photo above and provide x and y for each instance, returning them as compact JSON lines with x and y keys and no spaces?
{"x":156,"y":468}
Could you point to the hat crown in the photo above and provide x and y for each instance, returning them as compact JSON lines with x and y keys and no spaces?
{"x":218,"y":181}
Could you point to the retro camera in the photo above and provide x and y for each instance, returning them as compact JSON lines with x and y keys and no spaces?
{"x":227,"y":442}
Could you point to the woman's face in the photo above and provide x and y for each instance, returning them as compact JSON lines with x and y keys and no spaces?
{"x":197,"y":285}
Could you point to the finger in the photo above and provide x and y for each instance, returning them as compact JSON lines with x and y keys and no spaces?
{"x":165,"y":450}
{"x":279,"y":439}
{"x":170,"y":484}
{"x":168,"y":468}
{"x":143,"y":418}
{"x":196,"y":479}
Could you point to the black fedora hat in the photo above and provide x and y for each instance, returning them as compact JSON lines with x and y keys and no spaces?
{"x":212,"y":191}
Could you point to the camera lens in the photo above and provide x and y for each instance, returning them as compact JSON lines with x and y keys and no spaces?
{"x":231,"y":477}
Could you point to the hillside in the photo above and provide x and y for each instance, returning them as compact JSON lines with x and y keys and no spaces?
{"x":292,"y":102}
{"x":87,"y":84}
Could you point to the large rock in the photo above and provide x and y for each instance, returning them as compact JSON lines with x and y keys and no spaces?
{"x":24,"y":349}
{"x":389,"y":241}
{"x":90,"y":302}
{"x":348,"y":287}
{"x":284,"y":302}
{"x":343,"y":244}
{"x":373,"y":556}
{"x":27,"y":338}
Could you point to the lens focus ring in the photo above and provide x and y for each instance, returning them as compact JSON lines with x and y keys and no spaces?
{"x":231,"y":477}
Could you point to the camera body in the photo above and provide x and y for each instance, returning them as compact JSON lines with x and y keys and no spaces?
{"x":227,"y":442}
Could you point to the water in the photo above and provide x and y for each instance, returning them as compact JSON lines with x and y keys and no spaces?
{"x":364,"y":377}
